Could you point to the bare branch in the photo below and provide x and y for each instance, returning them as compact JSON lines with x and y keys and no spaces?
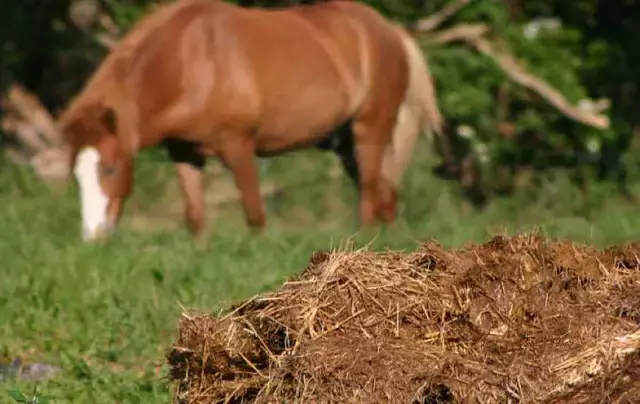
{"x":473,"y":35}
{"x":106,"y":40}
{"x":84,"y":13}
{"x":22,"y":106}
{"x":25,"y":132}
{"x":112,"y":33}
{"x":49,"y":165}
{"x":461,"y":32}
{"x":109,"y":25}
{"x":52,"y":164}
{"x":33,"y":127}
{"x":431,"y":23}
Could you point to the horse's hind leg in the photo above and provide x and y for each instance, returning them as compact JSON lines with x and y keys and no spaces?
{"x":369,"y":150}
{"x":387,"y":190}
{"x":189,"y":164}
{"x":388,"y":200}
{"x":238,"y":154}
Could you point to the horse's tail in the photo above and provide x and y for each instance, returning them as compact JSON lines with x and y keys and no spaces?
{"x":421,"y":92}
{"x":418,"y":112}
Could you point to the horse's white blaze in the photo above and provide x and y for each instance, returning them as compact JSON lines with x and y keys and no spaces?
{"x":93,"y":200}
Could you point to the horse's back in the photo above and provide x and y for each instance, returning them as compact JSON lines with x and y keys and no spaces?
{"x":342,"y":48}
{"x":307,"y":66}
{"x":390,"y":64}
{"x":289,"y":73}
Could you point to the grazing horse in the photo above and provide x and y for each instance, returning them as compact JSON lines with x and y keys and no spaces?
{"x":206,"y":78}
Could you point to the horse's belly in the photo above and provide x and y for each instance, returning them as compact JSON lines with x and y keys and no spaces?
{"x":300,"y":119}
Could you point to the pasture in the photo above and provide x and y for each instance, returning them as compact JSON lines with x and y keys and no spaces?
{"x":105,"y":314}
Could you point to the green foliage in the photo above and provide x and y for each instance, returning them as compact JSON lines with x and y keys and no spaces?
{"x":125,"y":13}
{"x":35,"y":398}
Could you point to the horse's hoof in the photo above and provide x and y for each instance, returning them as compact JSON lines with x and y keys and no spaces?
{"x":257,"y":230}
{"x":201,"y":243}
{"x":388,"y":218}
{"x":387,"y":213}
{"x":257,"y":225}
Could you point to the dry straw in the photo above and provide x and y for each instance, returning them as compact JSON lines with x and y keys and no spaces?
{"x":514,"y":320}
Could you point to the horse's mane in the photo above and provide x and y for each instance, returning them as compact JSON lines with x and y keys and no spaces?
{"x":106,"y":79}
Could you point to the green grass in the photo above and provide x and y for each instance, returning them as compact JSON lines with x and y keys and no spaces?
{"x":106,"y":313}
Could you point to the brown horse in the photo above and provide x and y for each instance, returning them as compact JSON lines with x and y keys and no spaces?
{"x":206,"y":78}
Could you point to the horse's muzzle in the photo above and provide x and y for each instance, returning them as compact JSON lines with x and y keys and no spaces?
{"x":101,"y":232}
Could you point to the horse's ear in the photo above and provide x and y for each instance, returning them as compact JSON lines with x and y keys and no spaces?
{"x":113,"y":124}
{"x":108,"y":119}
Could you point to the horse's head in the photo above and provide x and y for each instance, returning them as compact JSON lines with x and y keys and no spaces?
{"x":103,"y":167}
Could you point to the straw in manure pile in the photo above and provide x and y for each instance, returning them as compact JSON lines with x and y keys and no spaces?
{"x":514,"y":320}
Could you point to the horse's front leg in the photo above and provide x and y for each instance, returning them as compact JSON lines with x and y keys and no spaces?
{"x":191,"y":183}
{"x":238,"y":154}
{"x":190,"y":164}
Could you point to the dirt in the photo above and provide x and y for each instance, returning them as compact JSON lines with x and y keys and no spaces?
{"x":513,"y":320}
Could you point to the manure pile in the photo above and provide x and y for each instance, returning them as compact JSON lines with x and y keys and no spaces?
{"x":513,"y":320}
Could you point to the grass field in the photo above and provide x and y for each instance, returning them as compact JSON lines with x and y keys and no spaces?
{"x":106,"y":313}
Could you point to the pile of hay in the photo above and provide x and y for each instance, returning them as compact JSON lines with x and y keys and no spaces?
{"x":514,"y":320}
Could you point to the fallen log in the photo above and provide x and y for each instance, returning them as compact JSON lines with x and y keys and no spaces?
{"x":34,"y":136}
